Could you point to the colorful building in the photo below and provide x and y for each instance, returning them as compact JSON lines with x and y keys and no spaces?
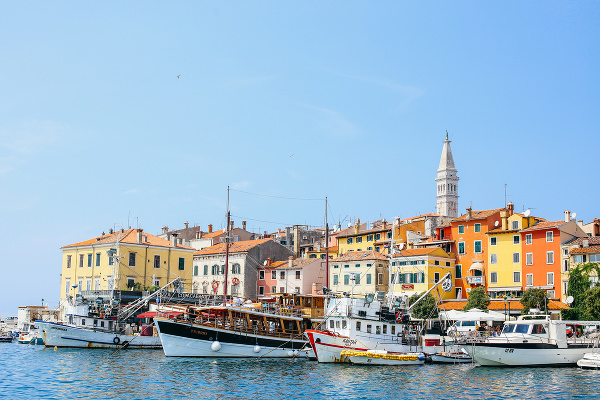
{"x":359,"y":272}
{"x":417,"y":270}
{"x":356,"y":239}
{"x":122,"y":260}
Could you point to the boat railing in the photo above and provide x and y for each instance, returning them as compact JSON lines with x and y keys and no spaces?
{"x":243,"y":329}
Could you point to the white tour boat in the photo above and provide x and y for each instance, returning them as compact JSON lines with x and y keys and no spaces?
{"x":535,"y":340}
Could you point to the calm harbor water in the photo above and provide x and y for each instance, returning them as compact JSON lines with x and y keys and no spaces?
{"x":32,"y":372}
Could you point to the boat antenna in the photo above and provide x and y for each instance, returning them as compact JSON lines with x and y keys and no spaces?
{"x":226,"y":251}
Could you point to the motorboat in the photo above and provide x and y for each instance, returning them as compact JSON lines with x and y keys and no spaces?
{"x":382,"y":357}
{"x":447,"y":357}
{"x":535,"y":340}
{"x":589,"y":361}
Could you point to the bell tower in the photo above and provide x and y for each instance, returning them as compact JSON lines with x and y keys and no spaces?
{"x":447,"y":183}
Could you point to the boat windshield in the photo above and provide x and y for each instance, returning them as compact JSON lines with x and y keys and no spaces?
{"x":538,"y":329}
{"x":523,"y":328}
{"x":508,"y":329}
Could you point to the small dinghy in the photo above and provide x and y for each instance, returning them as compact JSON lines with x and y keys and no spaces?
{"x":382,"y":357}
{"x":589,"y":361}
{"x":445,"y":357}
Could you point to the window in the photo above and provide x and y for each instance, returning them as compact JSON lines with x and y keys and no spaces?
{"x":516,"y":258}
{"x":550,"y":295}
{"x":458,"y":270}
{"x":80,"y":285}
{"x":181,"y":263}
{"x":461,"y":247}
{"x":88,"y":284}
{"x":549,"y":257}
{"x":493,"y":277}
{"x":261,"y":290}
{"x":550,"y":279}
{"x":215,"y":270}
{"x":81,"y":261}
{"x":436,"y":277}
{"x":346,"y":279}
{"x":516,"y":277}
{"x":477,"y":227}
{"x":380,"y":278}
{"x":195,"y":270}
{"x":369,"y":238}
{"x":358,"y":326}
{"x":335,"y":280}
{"x":156,"y":261}
{"x":359,"y":239}
{"x":281,"y":289}
{"x":312,"y":256}
{"x":493,"y":259}
{"x":478,"y":246}
{"x":389,"y":234}
{"x":377,"y":249}
{"x":357,"y":279}
{"x":261,"y":275}
{"x":349,"y":241}
{"x":515,"y":225}
{"x":89,"y":263}
{"x":273,"y":289}
{"x":357,"y":265}
{"x":493,"y":241}
{"x":565,"y":265}
{"x":529,"y":259}
{"x":579,"y":258}
{"x":131,"y":259}
{"x":368,"y":328}
{"x":206,"y":270}
{"x":565,"y":251}
{"x":461,"y":229}
{"x":282,"y":275}
{"x":594,"y":257}
{"x":67,"y":286}
{"x":98,"y":259}
{"x":370,"y":248}
{"x":517,"y":239}
{"x":130,"y":282}
{"x":549,"y":236}
{"x":377,"y":329}
{"x":68,"y":261}
{"x":347,"y":266}
{"x":237,"y":269}
{"x":528,"y":238}
{"x":368,"y":279}
{"x":297,"y":274}
{"x":97,"y":284}
{"x":377,"y":236}
{"x":529,"y":280}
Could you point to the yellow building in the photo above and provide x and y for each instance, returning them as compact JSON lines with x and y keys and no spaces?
{"x":359,"y":272}
{"x":356,"y":239}
{"x":131,"y":258}
{"x":417,"y":270}
{"x":504,"y":274}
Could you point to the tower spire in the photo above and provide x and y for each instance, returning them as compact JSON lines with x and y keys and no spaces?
{"x":447,"y":183}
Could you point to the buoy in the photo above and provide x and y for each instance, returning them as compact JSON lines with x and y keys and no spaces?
{"x":257,"y":349}
{"x":215,"y":346}
{"x":295,"y":352}
{"x":55,"y":348}
{"x":290,"y":353}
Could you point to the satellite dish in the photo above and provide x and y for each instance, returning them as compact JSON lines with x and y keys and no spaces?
{"x":349,"y":224}
{"x":570,"y":300}
{"x":496,"y":223}
{"x":401,"y":246}
{"x":526,"y":213}
{"x":573,"y":215}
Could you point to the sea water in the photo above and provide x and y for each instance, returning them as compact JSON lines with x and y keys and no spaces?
{"x":35,"y":372}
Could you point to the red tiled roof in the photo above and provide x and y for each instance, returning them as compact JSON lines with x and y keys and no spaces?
{"x":590,"y":240}
{"x":333,"y":249}
{"x":419,"y":252}
{"x":234,"y":247}
{"x":361,"y":255}
{"x":128,"y":236}
{"x":478,"y":214}
{"x":213,"y":234}
{"x":366,"y":231}
{"x":499,"y":305}
{"x":544,"y":225}
{"x":585,"y":250}
{"x":297,"y":263}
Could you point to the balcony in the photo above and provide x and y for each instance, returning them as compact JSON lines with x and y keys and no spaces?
{"x":476,"y":280}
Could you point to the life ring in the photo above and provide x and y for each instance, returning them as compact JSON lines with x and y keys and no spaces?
{"x":235,"y":281}
{"x":116,"y":340}
{"x":399,"y":316}
{"x":215,"y":285}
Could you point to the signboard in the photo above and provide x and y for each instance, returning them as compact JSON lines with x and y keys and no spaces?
{"x":408,"y":287}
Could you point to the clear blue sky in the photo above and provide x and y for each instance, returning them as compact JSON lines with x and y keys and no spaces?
{"x":344,"y":99}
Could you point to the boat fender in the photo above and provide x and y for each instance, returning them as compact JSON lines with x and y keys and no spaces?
{"x":290,"y":353}
{"x":257,"y":349}
{"x":399,"y":316}
{"x":125,"y":344}
{"x":215,"y":346}
{"x":116,"y":340}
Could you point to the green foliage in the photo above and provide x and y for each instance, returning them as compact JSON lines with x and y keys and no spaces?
{"x":426,"y":308}
{"x":592,"y":305}
{"x":579,"y":288}
{"x":534,"y":298}
{"x":477,"y":299}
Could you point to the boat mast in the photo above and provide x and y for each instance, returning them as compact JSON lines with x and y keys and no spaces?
{"x":226,"y":252}
{"x":326,"y":247}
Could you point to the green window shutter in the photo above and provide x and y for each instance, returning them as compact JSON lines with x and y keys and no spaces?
{"x":181,"y":263}
{"x":368,"y":279}
{"x":422,"y":277}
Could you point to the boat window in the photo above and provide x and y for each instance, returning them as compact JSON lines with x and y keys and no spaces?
{"x":538,"y":329}
{"x":521,"y":328}
{"x":344,"y":326}
{"x":358,"y":326}
{"x":384,"y":329}
{"x":468,"y":323}
{"x":378,"y":330}
{"x":393,"y":329}
{"x":337,"y":324}
{"x":368,"y":328}
{"x":82,"y":321}
{"x":331,"y":324}
{"x":508,"y":329}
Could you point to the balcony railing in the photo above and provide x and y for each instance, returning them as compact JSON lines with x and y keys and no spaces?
{"x":476,"y":280}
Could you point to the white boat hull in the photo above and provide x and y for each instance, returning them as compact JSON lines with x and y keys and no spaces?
{"x":589,"y":361}
{"x":62,"y":335}
{"x":440,"y":358}
{"x":524,"y":355}
{"x":328,"y":347}
{"x":193,"y":340}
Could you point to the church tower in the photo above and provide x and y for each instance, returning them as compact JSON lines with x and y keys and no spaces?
{"x":447,"y":183}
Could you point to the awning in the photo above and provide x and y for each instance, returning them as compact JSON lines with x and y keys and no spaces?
{"x":153,"y":314}
{"x":477,"y":265}
{"x":504,"y":289}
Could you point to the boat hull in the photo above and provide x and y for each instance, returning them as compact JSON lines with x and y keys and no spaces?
{"x":328,"y":346}
{"x":180,"y":339}
{"x":525,"y":354}
{"x":589,"y":361}
{"x":62,"y":335}
{"x":450,"y":358}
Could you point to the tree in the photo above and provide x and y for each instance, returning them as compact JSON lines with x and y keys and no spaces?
{"x":477,"y":299}
{"x":426,"y":308}
{"x":592,"y":305}
{"x":534,"y":298}
{"x":579,"y":287}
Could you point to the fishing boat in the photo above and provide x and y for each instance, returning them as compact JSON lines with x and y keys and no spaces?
{"x":382,"y":357}
{"x":6,"y":338}
{"x":535,"y":341}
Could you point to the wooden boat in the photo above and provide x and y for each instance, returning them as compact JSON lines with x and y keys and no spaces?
{"x":445,"y":357}
{"x":382,"y":357}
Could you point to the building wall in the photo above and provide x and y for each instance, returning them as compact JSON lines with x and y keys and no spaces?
{"x":364,"y":268}
{"x":428,"y":268}
{"x":539,"y":267}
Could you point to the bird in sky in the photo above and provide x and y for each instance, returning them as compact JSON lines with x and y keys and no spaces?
{"x":292,"y":155}
{"x":178,"y":76}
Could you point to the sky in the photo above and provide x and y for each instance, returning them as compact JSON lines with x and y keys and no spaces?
{"x":142,"y":113}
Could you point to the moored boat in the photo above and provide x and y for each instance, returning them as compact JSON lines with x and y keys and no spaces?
{"x":382,"y":357}
{"x":446,"y":357}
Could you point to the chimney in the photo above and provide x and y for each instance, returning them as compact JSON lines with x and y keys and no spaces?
{"x":384,"y":223}
{"x":231,"y":225}
{"x":357,"y":226}
{"x":165,"y":229}
{"x":244,"y":225}
{"x":269,"y":262}
{"x":504,"y":215}
{"x":186,"y":224}
{"x":596,"y":227}
{"x":110,"y":231}
{"x":199,"y":234}
{"x":469,"y":212}
{"x":290,"y":261}
{"x":511,"y":208}
{"x":209,"y":228}
{"x":139,"y":235}
{"x":585,"y":242}
{"x":567,"y":215}
{"x":174,"y":239}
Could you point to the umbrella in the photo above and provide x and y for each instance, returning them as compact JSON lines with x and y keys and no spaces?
{"x":475,"y":314}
